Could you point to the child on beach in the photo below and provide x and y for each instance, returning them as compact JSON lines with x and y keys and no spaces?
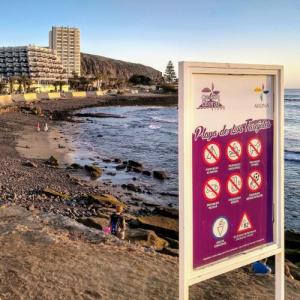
{"x":117,"y":223}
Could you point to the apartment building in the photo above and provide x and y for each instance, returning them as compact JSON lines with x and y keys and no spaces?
{"x":65,"y":41}
{"x":37,"y":63}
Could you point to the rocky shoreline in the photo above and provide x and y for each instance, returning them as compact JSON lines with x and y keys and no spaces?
{"x":47,"y":186}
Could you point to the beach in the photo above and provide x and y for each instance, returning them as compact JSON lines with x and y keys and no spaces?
{"x":53,"y":209}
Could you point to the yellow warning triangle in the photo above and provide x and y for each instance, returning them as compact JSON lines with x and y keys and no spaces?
{"x":245,"y":223}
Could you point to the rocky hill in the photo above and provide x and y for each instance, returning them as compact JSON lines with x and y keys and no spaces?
{"x":111,"y":68}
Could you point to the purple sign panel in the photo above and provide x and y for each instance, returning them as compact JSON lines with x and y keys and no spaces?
{"x":232,"y":181}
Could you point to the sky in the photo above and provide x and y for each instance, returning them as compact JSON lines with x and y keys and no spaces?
{"x":154,"y":32}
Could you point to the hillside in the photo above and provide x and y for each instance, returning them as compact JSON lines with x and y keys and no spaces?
{"x":111,"y":68}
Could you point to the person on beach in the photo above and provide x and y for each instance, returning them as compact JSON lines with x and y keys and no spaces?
{"x":260,"y":268}
{"x":117,"y":223}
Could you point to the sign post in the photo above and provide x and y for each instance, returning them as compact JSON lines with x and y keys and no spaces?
{"x":230,"y":170}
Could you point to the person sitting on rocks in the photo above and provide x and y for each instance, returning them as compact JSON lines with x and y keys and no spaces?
{"x":117,"y":223}
{"x":260,"y":268}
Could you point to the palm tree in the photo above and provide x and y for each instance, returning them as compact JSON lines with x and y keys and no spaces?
{"x":12,"y":80}
{"x":2,"y":87}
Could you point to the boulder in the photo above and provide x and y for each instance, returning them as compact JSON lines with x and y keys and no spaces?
{"x":52,"y":161}
{"x":75,"y":166}
{"x":121,"y":167}
{"x":51,"y":192}
{"x":135,"y":164}
{"x":132,"y":187}
{"x":164,"y":226}
{"x":156,"y":242}
{"x":167,"y":212}
{"x":29,"y":163}
{"x":136,"y":234}
{"x":161,"y":175}
{"x":293,"y":255}
{"x":94,"y":171}
{"x":105,"y":200}
{"x":170,"y":251}
{"x":94,"y":222}
{"x":173,"y":243}
{"x":292,"y":239}
{"x":146,"y":173}
{"x":293,"y":269}
{"x":137,"y":169}
{"x":146,"y":238}
{"x":106,"y":160}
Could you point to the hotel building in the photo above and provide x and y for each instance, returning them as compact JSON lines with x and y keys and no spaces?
{"x":37,"y":63}
{"x":65,"y":41}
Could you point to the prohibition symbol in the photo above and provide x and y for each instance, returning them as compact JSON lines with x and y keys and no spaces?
{"x":212,"y":188}
{"x":212,"y":154}
{"x":220,"y":227}
{"x":254,"y":180}
{"x":234,"y":184}
{"x":234,"y":151}
{"x":244,"y":224}
{"x":254,"y":148}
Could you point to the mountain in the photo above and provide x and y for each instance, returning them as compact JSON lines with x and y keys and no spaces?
{"x":112,"y":68}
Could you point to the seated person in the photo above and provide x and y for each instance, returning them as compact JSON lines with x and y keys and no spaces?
{"x":261,"y":268}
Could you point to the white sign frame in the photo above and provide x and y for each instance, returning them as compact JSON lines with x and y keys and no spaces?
{"x":187,"y":274}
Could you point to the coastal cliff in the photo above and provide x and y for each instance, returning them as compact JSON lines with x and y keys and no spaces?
{"x":111,"y":68}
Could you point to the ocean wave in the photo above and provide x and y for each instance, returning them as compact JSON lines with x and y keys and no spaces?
{"x":154,"y":126}
{"x":292,"y":155}
{"x":292,"y":99}
{"x":164,"y":120}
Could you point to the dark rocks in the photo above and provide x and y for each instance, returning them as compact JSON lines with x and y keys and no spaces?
{"x":170,"y":251}
{"x":94,"y":222}
{"x":161,"y":225}
{"x":121,"y":167}
{"x":167,"y":212}
{"x":51,"y":192}
{"x":52,"y":161}
{"x":29,"y":163}
{"x":117,"y":160}
{"x":106,"y":160}
{"x":161,"y":175}
{"x":75,"y":166}
{"x":105,"y":199}
{"x":97,"y":115}
{"x":135,"y":164}
{"x":94,"y":171}
{"x":146,"y":238}
{"x":146,"y":173}
{"x":132,"y":187}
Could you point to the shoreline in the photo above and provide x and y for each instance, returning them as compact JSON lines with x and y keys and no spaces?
{"x":27,"y":151}
{"x":24,"y":181}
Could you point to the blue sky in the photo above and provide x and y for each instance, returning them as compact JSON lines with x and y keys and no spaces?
{"x":153,"y":32}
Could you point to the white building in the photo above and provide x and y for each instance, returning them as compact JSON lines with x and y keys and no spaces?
{"x":65,"y":41}
{"x":36,"y":63}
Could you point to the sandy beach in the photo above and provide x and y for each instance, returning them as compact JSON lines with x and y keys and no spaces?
{"x":52,"y":214}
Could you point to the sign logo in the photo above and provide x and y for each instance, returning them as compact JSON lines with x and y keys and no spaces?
{"x":220,"y":227}
{"x":245,"y":224}
{"x":261,"y":91}
{"x":254,"y":180}
{"x":234,"y":151}
{"x":210,"y":99}
{"x":254,"y":148}
{"x":212,"y":154}
{"x":234,"y":184}
{"x":212,"y":189}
